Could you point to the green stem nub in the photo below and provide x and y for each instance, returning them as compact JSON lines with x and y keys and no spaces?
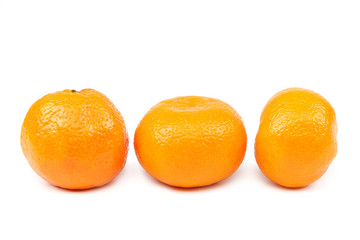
{"x":73,"y":91}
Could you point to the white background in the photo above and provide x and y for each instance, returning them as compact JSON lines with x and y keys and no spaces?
{"x":141,"y":52}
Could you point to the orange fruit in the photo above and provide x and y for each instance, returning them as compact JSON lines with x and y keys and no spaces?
{"x":190,"y":141}
{"x":75,"y":140}
{"x":296,"y":140}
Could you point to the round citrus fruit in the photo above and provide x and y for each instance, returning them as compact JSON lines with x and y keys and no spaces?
{"x":190,"y":141}
{"x":75,"y":140}
{"x":296,"y":140}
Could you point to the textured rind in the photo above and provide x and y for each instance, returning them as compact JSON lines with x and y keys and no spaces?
{"x":296,"y":140}
{"x":75,"y":140}
{"x":190,"y":141}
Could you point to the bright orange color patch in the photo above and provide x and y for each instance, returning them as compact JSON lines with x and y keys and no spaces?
{"x":75,"y":140}
{"x":190,"y":141}
{"x":296,"y":141}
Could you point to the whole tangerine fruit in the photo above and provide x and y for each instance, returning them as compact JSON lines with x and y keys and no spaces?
{"x":190,"y":141}
{"x":296,"y":141}
{"x":75,"y":139}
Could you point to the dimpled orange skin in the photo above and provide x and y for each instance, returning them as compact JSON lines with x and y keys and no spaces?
{"x":190,"y":141}
{"x":296,"y":140}
{"x":75,"y":140}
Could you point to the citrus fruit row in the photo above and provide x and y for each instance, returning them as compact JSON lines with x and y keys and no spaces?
{"x":78,"y":139}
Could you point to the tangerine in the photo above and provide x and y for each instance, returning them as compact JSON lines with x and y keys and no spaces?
{"x":75,"y":139}
{"x":190,"y":141}
{"x":296,"y":140}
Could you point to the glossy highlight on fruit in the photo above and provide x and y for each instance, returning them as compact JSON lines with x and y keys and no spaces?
{"x":75,"y":139}
{"x":296,"y":141}
{"x":190,"y":141}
